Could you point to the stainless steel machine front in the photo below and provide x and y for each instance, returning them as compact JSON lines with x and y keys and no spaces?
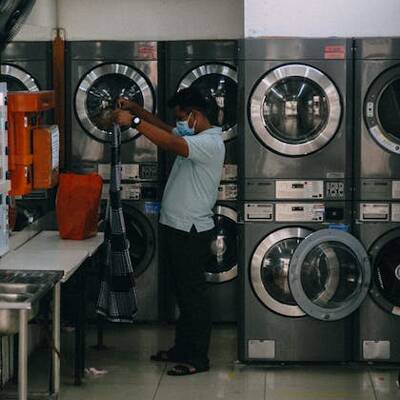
{"x":295,"y":116}
{"x":98,"y":74}
{"x":303,"y":276}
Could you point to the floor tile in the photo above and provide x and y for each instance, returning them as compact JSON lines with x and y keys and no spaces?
{"x":132,"y":375}
{"x":94,"y":391}
{"x":317,"y":383}
{"x":222,"y":381}
{"x":385,"y":386}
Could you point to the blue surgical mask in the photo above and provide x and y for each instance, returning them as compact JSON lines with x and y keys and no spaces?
{"x":183,"y":128}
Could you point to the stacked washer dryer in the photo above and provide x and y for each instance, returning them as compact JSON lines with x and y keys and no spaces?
{"x":300,"y":283}
{"x":27,"y":66}
{"x":210,"y":67}
{"x":377,"y":183}
{"x":98,"y":73}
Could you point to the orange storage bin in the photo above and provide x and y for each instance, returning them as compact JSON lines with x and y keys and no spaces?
{"x":77,"y":205}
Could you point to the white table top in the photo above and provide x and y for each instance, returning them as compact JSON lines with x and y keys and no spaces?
{"x":47,"y":251}
{"x":50,"y":240}
{"x":66,"y":261}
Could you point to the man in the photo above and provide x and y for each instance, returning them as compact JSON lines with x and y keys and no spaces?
{"x":186,"y":216}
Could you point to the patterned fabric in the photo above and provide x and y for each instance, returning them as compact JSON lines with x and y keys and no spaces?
{"x":117,"y":300}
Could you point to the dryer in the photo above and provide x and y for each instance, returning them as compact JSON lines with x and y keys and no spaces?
{"x":300,"y":282}
{"x":377,"y":116}
{"x":27,"y":66}
{"x":296,"y":117}
{"x":141,"y":207}
{"x":97,"y":74}
{"x":211,"y":67}
{"x":377,"y":323}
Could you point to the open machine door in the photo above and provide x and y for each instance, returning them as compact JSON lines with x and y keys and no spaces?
{"x":329,"y":274}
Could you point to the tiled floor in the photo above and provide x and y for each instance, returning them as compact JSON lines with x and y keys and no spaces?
{"x":132,"y":376}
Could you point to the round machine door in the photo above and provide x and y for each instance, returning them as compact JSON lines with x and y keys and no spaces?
{"x":385,"y":259}
{"x":96,"y":96}
{"x":295,"y":110}
{"x":329,"y":274}
{"x":17,"y":79}
{"x":269,"y":270}
{"x":223,"y":263}
{"x":382,"y":110}
{"x":141,"y":236}
{"x":218,"y":84}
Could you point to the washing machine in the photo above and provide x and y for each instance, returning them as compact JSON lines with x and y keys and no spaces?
{"x":377,"y":116}
{"x":27,"y":66}
{"x":211,"y":67}
{"x":302,"y":276}
{"x":377,"y":323}
{"x":98,"y":73}
{"x":296,"y":115}
{"x":222,"y":267}
{"x":141,"y":208}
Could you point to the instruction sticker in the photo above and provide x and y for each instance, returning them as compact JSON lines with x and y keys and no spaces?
{"x":335,"y":52}
{"x":152,"y":207}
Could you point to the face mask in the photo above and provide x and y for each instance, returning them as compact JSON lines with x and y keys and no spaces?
{"x":183,"y":128}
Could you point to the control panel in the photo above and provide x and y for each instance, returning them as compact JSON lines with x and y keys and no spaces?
{"x":262,"y":212}
{"x":132,"y":172}
{"x":313,"y":190}
{"x":300,"y":212}
{"x":375,"y":212}
{"x":227,"y":191}
{"x":335,"y":190}
{"x":134,"y":191}
{"x":229,"y":172}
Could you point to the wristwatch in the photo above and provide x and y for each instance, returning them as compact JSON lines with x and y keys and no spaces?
{"x":135,"y":121}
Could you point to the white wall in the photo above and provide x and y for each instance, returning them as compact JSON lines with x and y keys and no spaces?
{"x":322,"y":18}
{"x":151,"y":19}
{"x":210,"y":19}
{"x":40,"y":23}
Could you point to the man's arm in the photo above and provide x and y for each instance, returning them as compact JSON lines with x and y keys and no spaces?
{"x":164,"y":139}
{"x":160,"y":137}
{"x":144,"y":114}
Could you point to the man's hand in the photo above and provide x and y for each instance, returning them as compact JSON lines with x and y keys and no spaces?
{"x":126,"y":104}
{"x":122,"y":117}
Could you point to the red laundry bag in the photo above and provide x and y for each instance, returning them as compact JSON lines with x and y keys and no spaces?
{"x":77,"y":205}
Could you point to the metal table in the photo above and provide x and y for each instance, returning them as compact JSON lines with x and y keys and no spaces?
{"x":47,"y":251}
{"x":50,"y":281}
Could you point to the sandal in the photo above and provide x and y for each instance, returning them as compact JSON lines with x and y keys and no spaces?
{"x":184,"y":370}
{"x":163,"y":356}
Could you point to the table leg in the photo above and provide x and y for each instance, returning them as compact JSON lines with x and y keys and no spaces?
{"x":83,"y":322}
{"x":23,"y":356}
{"x":78,"y":333}
{"x":55,"y":384}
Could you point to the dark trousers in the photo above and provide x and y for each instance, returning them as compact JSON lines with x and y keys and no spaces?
{"x":186,"y":255}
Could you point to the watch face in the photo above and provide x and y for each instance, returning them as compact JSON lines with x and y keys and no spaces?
{"x":136,"y":120}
